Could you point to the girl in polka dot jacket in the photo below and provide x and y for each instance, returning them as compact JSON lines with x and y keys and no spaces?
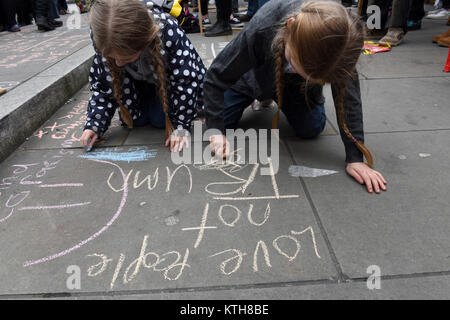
{"x":145,"y":65}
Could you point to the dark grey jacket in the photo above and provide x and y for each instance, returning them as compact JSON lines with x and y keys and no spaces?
{"x":247,"y":65}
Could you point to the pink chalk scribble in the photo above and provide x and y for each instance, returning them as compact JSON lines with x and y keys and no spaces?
{"x":95,"y":235}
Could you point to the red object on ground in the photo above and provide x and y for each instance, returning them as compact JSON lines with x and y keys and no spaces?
{"x":371,"y":47}
{"x":447,"y":65}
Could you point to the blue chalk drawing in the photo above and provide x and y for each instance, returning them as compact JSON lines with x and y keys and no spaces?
{"x":129,"y":156}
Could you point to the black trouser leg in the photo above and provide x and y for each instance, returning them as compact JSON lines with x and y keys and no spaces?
{"x":224,"y":9}
{"x":417,"y":10}
{"x":204,"y":4}
{"x":42,"y":8}
{"x":42,"y":19}
{"x":400,"y":13}
{"x":8,"y":12}
{"x":222,"y":27}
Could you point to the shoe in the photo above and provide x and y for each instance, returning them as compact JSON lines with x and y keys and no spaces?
{"x":235,"y":22}
{"x":441,"y":14}
{"x":414,"y":25}
{"x":442,"y":35}
{"x":393,"y":38}
{"x":206,"y":21}
{"x":374,"y":34}
{"x":433,"y":11}
{"x":14,"y":28}
{"x":2,"y":91}
{"x":244,"y":18}
{"x":444,"y":42}
{"x":43,"y":25}
{"x":221,"y":28}
{"x":55,"y":23}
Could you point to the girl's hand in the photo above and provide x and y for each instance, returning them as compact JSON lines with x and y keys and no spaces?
{"x":176,"y":143}
{"x":88,"y":134}
{"x":220,"y":146}
{"x":365,"y":175}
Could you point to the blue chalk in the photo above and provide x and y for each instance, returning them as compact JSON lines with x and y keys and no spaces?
{"x":88,"y":146}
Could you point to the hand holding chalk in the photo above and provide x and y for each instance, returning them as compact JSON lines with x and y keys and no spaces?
{"x":88,"y":139}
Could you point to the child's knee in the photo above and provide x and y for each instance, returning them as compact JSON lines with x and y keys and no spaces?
{"x":313,"y":126}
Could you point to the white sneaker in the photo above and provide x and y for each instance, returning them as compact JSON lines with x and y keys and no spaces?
{"x":441,"y":14}
{"x":235,"y":22}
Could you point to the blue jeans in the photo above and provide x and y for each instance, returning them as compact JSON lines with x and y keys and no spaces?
{"x":53,"y":12}
{"x":307,"y":123}
{"x":254,"y":5}
{"x":151,"y":109}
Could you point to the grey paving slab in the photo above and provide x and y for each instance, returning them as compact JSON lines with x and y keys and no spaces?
{"x":65,"y":127}
{"x":405,"y":104}
{"x":416,"y":57}
{"x":62,"y":210}
{"x":403,"y":230}
{"x":145,"y":135}
{"x":27,"y":53}
{"x":400,"y":104}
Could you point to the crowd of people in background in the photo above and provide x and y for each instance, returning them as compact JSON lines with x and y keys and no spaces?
{"x":397,"y":16}
{"x":15,"y":14}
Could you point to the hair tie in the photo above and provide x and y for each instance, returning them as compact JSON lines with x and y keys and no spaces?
{"x":354,"y":140}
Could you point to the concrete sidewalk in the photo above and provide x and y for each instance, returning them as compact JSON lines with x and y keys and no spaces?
{"x":41,"y":71}
{"x":138,"y":228}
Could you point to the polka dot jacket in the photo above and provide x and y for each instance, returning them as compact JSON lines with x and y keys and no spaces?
{"x":184,"y":70}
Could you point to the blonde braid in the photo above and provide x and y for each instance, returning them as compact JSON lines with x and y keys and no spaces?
{"x":116,"y":73}
{"x":341,"y":116}
{"x":158,"y":63}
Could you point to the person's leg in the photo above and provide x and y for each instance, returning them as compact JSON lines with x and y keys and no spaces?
{"x":234,"y":105}
{"x":400,"y":13}
{"x":204,"y":4}
{"x":417,"y":11}
{"x":151,"y":109}
{"x":416,"y":14}
{"x":235,"y":6}
{"x":384,"y":9}
{"x":53,"y":12}
{"x":42,"y":8}
{"x":307,"y":120}
{"x":399,"y":23}
{"x":222,"y":26}
{"x":8,"y":11}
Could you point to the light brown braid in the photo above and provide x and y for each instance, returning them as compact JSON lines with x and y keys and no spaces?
{"x":158,"y":63}
{"x":341,"y":116}
{"x":116,"y":73}
{"x":279,"y":72}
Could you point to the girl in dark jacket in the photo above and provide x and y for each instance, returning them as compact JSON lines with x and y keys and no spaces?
{"x":312,"y":43}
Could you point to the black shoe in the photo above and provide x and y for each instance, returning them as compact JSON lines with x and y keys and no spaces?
{"x":244,"y":17}
{"x":55,"y":23}
{"x":43,"y":24}
{"x":221,"y":28}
